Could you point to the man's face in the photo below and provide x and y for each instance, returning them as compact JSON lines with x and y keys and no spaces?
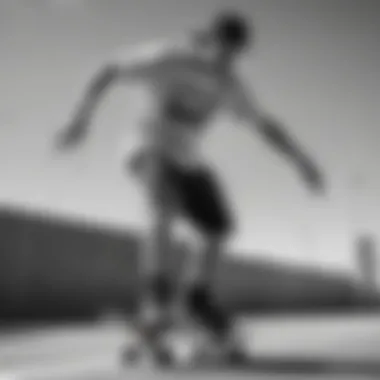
{"x":221,"y":52}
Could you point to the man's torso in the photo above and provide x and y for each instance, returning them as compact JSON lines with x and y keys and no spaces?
{"x":186,"y":97}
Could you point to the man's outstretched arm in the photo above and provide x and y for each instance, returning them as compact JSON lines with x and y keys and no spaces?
{"x":78,"y":126}
{"x":127,"y":65}
{"x":275,"y":134}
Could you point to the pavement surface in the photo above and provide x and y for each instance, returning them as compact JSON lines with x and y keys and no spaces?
{"x":281,"y":348}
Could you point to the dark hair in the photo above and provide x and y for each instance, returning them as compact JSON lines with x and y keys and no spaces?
{"x":233,"y":29}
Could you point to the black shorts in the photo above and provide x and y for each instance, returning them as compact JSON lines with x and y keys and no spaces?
{"x":198,"y":196}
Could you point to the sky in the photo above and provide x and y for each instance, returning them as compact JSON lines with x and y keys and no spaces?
{"x":315,"y":65}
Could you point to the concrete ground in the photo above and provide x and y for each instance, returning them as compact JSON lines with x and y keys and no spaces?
{"x":281,"y":348}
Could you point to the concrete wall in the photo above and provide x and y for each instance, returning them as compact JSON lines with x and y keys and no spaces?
{"x":52,"y":268}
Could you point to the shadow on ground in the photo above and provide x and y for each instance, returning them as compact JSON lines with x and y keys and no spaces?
{"x":283,"y":365}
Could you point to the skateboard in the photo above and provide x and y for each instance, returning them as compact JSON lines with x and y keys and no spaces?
{"x":184,"y":343}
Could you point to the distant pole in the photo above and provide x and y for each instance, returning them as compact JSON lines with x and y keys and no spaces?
{"x":362,"y":241}
{"x":366,"y":256}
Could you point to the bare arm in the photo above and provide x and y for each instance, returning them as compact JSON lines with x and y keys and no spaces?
{"x":95,"y":90}
{"x":122,"y":66}
{"x":125,"y":65}
{"x":275,"y":134}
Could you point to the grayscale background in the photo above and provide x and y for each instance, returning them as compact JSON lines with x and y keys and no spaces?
{"x":69,"y":223}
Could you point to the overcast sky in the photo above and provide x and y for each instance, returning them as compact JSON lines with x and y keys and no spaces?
{"x":315,"y":66}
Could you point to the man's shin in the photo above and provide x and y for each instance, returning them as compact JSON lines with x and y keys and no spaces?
{"x":155,"y":265}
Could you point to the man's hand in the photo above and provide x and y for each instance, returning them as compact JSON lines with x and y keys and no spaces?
{"x":77,"y":130}
{"x":312,"y":175}
{"x":73,"y":134}
{"x":276,"y":135}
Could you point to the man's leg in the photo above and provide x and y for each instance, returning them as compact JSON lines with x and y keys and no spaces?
{"x":203,"y":203}
{"x":202,"y":301}
{"x":154,"y":298}
{"x":204,"y":306}
{"x":154,"y":266}
{"x":156,"y":248}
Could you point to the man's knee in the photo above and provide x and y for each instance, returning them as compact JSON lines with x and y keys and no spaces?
{"x":161,"y":288}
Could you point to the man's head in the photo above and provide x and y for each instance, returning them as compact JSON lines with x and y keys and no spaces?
{"x":229,"y":35}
